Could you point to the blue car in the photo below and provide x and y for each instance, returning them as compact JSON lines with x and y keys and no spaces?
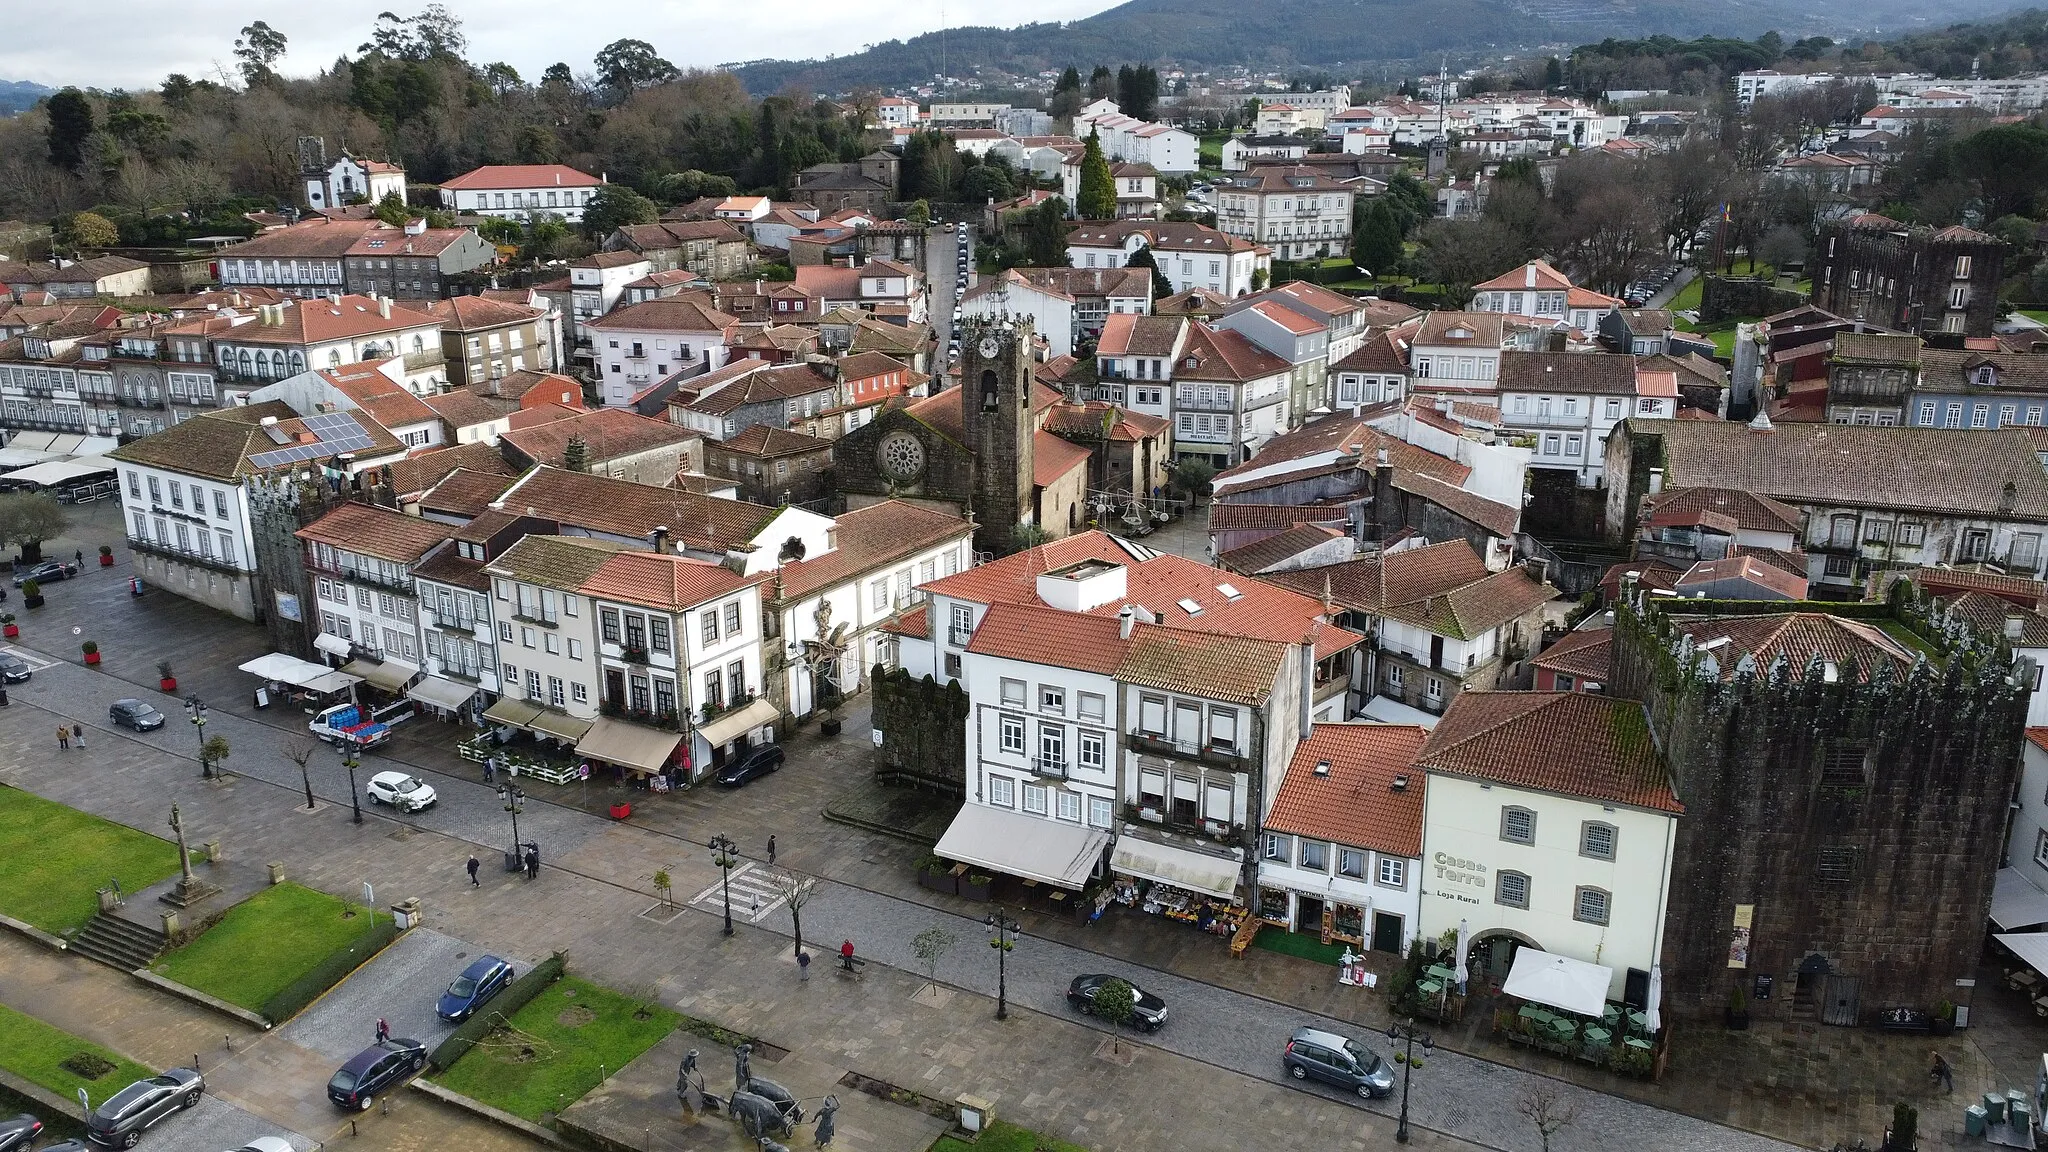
{"x":483,"y":979}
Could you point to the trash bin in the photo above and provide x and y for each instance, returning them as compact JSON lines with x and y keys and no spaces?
{"x":2020,"y":1116}
{"x":1973,"y":1120}
{"x":513,"y":863}
{"x":1994,"y":1107}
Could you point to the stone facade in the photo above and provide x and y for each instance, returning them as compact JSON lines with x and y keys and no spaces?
{"x":1861,"y":823}
{"x":1914,"y":280}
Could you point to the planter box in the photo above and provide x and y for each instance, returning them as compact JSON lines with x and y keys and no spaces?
{"x":1737,"y":1021}
{"x":106,"y":561}
{"x":621,"y":811}
{"x":829,"y":727}
{"x":92,"y":659}
{"x":944,"y":882}
{"x":31,"y":601}
{"x":973,"y":891}
{"x":10,"y":631}
{"x":167,"y":684}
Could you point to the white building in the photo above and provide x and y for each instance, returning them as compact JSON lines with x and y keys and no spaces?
{"x":1543,"y":827}
{"x":1341,"y":852}
{"x":1770,"y":82}
{"x":1542,"y":294}
{"x":515,"y":191}
{"x":896,"y":112}
{"x":286,"y":339}
{"x":1456,"y":353}
{"x":1229,"y":395}
{"x":642,"y":344}
{"x":1568,"y":402}
{"x":598,"y":281}
{"x":1287,"y":118}
{"x":1172,"y":151}
{"x":1188,"y":255}
{"x":1297,"y":212}
{"x":2019,"y":894}
{"x":458,"y":632}
{"x":359,"y":560}
{"x":349,"y":180}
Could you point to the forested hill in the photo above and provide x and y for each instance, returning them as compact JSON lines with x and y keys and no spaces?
{"x":1329,"y":33}
{"x":18,"y":95}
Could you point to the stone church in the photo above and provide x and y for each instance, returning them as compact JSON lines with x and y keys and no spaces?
{"x":979,"y":447}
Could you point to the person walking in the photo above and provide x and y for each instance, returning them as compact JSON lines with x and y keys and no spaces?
{"x":771,"y":851}
{"x":64,"y":737}
{"x":383,"y":1030}
{"x":532,"y":862}
{"x":473,"y":866}
{"x":490,"y":769}
{"x":1943,"y":1074}
{"x":78,"y":736}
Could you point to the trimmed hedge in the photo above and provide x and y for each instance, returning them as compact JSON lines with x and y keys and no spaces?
{"x":503,"y":1005}
{"x":331,"y":971}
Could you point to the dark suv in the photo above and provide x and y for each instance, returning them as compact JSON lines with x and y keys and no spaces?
{"x":1334,"y":1059}
{"x":483,"y":979}
{"x":383,"y":1065}
{"x":18,"y":1133}
{"x":121,"y":1119}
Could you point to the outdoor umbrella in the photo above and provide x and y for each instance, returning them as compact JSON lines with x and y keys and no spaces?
{"x":1652,"y":1019}
{"x":1463,"y":975}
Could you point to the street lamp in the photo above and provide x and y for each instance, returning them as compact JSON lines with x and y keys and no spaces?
{"x":350,"y":762}
{"x":1005,"y":938}
{"x":515,"y":802}
{"x":728,"y":857}
{"x":195,"y":710}
{"x":1398,"y":1032}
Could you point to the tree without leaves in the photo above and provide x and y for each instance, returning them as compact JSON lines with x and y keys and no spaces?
{"x":1114,"y":1004}
{"x":259,"y":47}
{"x":28,"y":519}
{"x":796,"y":891}
{"x":930,"y":947}
{"x":1460,"y":253}
{"x":1549,"y":1111}
{"x":300,"y":752}
{"x":71,"y":122}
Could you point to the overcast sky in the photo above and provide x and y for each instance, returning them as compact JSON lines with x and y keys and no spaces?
{"x":135,"y":43}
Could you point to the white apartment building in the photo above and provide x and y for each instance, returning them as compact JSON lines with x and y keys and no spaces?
{"x":547,"y":634}
{"x":1173,"y":151}
{"x":1543,"y":830}
{"x":1568,"y":402}
{"x":896,"y":112}
{"x":598,"y":281}
{"x":1135,"y":361}
{"x":1188,"y":255}
{"x":1770,"y":82}
{"x":1295,"y":336}
{"x":458,"y":632}
{"x":642,"y":344}
{"x":1456,"y":353}
{"x":1542,"y":295}
{"x":1229,"y":396}
{"x":283,"y":340}
{"x":1297,"y":212}
{"x":515,"y":191}
{"x":1286,"y":118}
{"x":359,"y":560}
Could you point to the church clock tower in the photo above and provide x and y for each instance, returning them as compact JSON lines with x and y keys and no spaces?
{"x":995,"y":412}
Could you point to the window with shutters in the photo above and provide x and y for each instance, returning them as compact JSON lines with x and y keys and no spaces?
{"x":1596,"y":840}
{"x":1517,"y":825}
{"x":1511,"y":889}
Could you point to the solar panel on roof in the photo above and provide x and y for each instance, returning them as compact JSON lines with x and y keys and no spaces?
{"x":338,"y":432}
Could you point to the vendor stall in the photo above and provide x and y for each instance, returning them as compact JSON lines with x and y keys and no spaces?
{"x":288,"y":679}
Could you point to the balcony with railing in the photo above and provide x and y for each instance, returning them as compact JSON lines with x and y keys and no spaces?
{"x":182,"y":555}
{"x":664,"y":719}
{"x":1049,"y":766}
{"x":1165,"y":747}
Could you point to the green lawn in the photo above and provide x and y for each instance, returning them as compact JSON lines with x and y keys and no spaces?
{"x":2035,"y":314}
{"x":1303,"y":944}
{"x":556,"y":1048}
{"x":1003,"y":1136}
{"x":53,"y":859}
{"x":1912,"y":640}
{"x":264,"y":944}
{"x":1688,"y":298}
{"x":35,"y":1051}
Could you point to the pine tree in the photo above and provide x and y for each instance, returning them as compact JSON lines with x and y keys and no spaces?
{"x":1045,"y":235}
{"x":576,"y":455}
{"x":1101,"y":82}
{"x":1161,"y":286}
{"x":1097,"y":197}
{"x":1376,"y":239}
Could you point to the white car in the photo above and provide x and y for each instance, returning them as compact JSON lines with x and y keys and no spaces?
{"x":401,"y":791}
{"x":267,"y":1144}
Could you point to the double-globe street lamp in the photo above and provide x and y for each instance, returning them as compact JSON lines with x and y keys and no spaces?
{"x":728,"y":857}
{"x":350,"y":761}
{"x":1003,"y":941}
{"x":1398,"y":1032}
{"x":195,"y":710}
{"x":514,"y":798}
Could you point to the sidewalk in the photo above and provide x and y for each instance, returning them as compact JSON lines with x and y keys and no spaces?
{"x":1039,"y":1066}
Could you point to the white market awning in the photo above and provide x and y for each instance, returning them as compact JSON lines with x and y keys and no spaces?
{"x":390,"y":675}
{"x":330,"y":643}
{"x":283,"y":669}
{"x":512,"y":712}
{"x":619,"y":742}
{"x":558,"y":724}
{"x":2015,"y":902}
{"x":1201,"y":872}
{"x":438,"y":692}
{"x":732,"y":725}
{"x":1050,"y":852}
{"x":1394,"y":712}
{"x":1559,"y":981}
{"x":2031,"y":947}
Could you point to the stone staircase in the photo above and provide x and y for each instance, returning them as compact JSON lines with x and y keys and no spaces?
{"x":122,"y":943}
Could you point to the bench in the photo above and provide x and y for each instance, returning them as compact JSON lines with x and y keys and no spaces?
{"x":852,"y":964}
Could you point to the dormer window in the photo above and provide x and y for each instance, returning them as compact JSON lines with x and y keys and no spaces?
{"x":1984,"y":374}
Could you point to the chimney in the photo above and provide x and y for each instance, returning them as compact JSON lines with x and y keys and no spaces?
{"x":1308,"y":690}
{"x":558,"y":177}
{"x":659,"y":538}
{"x":384,"y":307}
{"x":1529,"y":274}
{"x":1125,"y":621}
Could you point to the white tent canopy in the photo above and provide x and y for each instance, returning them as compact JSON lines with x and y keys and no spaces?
{"x":2031,"y":947}
{"x":299,"y":673}
{"x":58,"y":471}
{"x":1559,"y":981}
{"x":1063,"y":855}
{"x":2015,"y":902}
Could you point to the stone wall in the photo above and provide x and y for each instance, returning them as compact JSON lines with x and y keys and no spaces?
{"x":1724,"y":297}
{"x":924,"y":729}
{"x":1862,"y":821}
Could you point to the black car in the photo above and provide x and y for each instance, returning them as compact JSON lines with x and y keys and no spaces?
{"x":383,"y":1065}
{"x":18,"y":1133}
{"x":753,"y":762}
{"x":474,"y":988}
{"x":1148,"y":1012}
{"x":14,"y":670}
{"x":121,"y":1119}
{"x":45,"y":572}
{"x":135,"y":714}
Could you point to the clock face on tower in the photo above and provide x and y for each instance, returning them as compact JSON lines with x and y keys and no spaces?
{"x":989,"y":347}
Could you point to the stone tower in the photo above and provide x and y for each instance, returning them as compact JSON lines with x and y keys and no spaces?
{"x":995,"y":414}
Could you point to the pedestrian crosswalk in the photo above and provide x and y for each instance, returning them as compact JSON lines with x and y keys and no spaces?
{"x":754,"y":894}
{"x":36,"y":661}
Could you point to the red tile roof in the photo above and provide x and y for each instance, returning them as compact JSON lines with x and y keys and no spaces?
{"x":1569,"y":743}
{"x":662,"y":580}
{"x":607,"y":434}
{"x":1048,"y":636}
{"x":1796,"y":638}
{"x":1053,"y":458}
{"x":522,"y":176}
{"x":869,"y":538}
{"x":378,"y":532}
{"x":1584,"y":653}
{"x":1223,"y":355}
{"x":1354,"y":801}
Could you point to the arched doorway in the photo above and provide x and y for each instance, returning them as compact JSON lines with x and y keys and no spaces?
{"x":1491,"y":953}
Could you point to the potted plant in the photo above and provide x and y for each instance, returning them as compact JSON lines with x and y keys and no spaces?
{"x":975,"y":886}
{"x":8,"y":627}
{"x":91,"y":649}
{"x":106,"y":556}
{"x":933,"y":873}
{"x":32,"y":594}
{"x":621,"y":809}
{"x":1738,"y":1011}
{"x":165,"y":681}
{"x":1944,"y":1021}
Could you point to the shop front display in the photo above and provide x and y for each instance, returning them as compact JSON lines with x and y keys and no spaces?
{"x":1219,"y":917}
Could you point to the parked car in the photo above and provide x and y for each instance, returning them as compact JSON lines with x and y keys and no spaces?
{"x":121,"y":1119}
{"x":404,"y":792}
{"x":756,"y":761}
{"x":484,"y":978}
{"x":1315,"y":1054}
{"x":18,"y":1133}
{"x":45,"y":572}
{"x":135,"y":714}
{"x":267,"y":1144}
{"x":1148,"y":1012}
{"x":384,"y":1064}
{"x":14,"y":670}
